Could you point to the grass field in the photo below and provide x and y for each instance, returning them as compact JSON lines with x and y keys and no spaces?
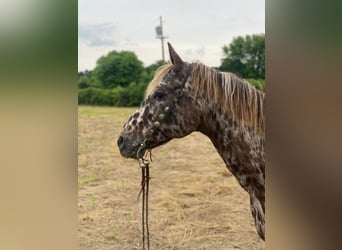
{"x":195,"y":203}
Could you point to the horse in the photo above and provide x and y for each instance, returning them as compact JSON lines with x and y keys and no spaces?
{"x":185,"y":97}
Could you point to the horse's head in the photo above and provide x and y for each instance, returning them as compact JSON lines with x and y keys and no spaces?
{"x":167,"y":112}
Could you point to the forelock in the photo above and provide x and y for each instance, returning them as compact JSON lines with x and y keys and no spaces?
{"x":161,"y":72}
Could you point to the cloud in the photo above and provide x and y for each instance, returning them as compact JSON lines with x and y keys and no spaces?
{"x":188,"y":52}
{"x":94,"y":35}
{"x":201,"y":52}
{"x":195,"y":54}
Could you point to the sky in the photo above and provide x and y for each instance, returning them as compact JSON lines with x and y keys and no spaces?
{"x":197,"y":29}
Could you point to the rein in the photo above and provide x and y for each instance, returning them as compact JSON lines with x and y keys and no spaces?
{"x":144,"y":164}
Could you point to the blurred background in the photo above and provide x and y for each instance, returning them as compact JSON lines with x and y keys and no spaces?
{"x":120,"y":46}
{"x":39,"y":61}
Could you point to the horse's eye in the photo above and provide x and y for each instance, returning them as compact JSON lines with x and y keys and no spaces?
{"x":159,"y":96}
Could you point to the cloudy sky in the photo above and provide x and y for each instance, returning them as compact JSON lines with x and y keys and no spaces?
{"x":197,"y":29}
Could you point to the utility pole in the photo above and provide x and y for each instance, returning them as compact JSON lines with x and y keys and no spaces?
{"x":160,"y":35}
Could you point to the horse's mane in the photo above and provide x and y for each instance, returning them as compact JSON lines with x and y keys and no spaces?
{"x":234,"y":95}
{"x":161,"y":72}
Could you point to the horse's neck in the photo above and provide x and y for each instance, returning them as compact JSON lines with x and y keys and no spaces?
{"x":241,"y":149}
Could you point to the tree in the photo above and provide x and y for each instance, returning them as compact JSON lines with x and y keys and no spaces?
{"x":154,"y":66}
{"x":151,"y":69}
{"x":86,"y":73}
{"x":245,"y":56}
{"x":84,"y":83}
{"x":118,"y":69}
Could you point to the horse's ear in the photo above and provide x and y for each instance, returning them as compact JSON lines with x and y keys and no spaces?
{"x":175,"y":58}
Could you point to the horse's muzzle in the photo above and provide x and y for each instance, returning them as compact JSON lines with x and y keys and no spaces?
{"x":129,"y":148}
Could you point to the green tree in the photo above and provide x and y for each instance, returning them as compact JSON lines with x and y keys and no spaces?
{"x":86,"y":73}
{"x":136,"y":92}
{"x":257,"y":83}
{"x":151,"y":70}
{"x":245,"y":56}
{"x":84,"y":83}
{"x":118,"y":69}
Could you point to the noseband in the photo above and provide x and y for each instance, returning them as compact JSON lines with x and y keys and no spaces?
{"x":144,"y":161}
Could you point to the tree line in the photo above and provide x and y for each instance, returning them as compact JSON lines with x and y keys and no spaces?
{"x":120,"y":78}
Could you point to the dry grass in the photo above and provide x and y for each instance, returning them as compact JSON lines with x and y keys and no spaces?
{"x":195,"y":203}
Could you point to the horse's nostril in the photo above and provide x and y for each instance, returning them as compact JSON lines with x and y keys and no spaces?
{"x":120,"y":141}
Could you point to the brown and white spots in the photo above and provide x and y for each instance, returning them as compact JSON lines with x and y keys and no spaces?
{"x":183,"y":98}
{"x":136,"y":115}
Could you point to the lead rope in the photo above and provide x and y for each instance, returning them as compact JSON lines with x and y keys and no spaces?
{"x":144,"y":164}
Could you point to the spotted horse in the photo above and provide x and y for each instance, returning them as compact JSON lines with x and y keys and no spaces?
{"x":185,"y":97}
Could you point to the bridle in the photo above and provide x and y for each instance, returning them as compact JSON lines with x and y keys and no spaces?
{"x":144,"y":162}
{"x":167,"y":109}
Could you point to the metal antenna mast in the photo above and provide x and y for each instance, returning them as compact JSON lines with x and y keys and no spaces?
{"x":160,"y":35}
